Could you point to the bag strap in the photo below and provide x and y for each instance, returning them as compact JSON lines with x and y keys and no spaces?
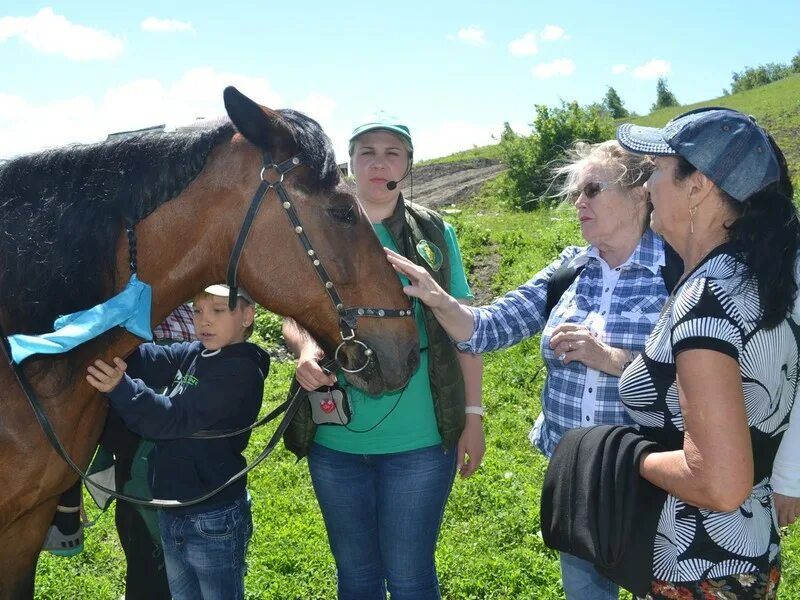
{"x":560,"y":281}
{"x":564,"y":275}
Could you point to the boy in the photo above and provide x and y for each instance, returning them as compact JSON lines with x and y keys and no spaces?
{"x":215,"y":383}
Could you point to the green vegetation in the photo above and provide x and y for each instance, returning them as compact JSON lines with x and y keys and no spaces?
{"x":664,"y":98}
{"x":492,"y":151}
{"x":614,"y":104}
{"x":490,"y":546}
{"x":753,"y":77}
{"x":530,"y":159}
{"x":776,"y":106}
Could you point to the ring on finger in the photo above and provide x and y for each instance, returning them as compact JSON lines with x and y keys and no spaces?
{"x":562,"y":356}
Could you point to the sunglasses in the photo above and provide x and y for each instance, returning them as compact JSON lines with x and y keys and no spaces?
{"x":590,"y":190}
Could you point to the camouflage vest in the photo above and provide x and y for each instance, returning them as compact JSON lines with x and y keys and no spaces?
{"x":409,"y":225}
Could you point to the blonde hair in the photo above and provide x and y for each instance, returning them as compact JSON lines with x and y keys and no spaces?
{"x":631,"y":170}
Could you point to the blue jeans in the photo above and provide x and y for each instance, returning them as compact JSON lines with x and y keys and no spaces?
{"x":383,"y":513}
{"x":204,"y":553}
{"x":581,"y":580}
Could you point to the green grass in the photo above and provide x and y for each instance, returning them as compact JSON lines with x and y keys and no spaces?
{"x":490,"y":547}
{"x":776,"y":106}
{"x":489,"y":151}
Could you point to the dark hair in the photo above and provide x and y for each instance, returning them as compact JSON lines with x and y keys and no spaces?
{"x":767,"y":233}
{"x":62,"y":210}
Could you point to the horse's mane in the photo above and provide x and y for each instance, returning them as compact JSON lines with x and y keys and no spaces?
{"x":316,"y":147}
{"x":61,"y":212}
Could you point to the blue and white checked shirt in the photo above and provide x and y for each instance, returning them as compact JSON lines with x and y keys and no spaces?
{"x":620,"y":305}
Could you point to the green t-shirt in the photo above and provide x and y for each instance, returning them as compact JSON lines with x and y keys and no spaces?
{"x":397,"y":423}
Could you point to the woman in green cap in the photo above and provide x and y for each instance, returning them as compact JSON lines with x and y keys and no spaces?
{"x":382,"y":480}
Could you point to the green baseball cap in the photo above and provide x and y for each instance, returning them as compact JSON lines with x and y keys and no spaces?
{"x":395,"y":128}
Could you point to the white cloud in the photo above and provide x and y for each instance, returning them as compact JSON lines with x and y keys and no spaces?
{"x":553,"y":32}
{"x":165,"y":25}
{"x":652,"y":70}
{"x":318,"y":106}
{"x":452,"y":136}
{"x":25,"y":127}
{"x":562,"y":67}
{"x":524,"y":46}
{"x":54,"y":34}
{"x":617,"y":69}
{"x":472,"y":36}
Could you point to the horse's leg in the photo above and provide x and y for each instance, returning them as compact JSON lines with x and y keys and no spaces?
{"x":20,"y":544}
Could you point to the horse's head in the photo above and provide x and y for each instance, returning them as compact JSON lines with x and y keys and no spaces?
{"x":281,"y":269}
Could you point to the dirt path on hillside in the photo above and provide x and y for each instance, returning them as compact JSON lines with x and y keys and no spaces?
{"x":442,"y":185}
{"x":450,"y":183}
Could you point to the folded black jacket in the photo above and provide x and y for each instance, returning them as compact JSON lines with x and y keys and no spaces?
{"x":596,"y":506}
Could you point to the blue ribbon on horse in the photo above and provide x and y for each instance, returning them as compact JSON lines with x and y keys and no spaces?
{"x":129,"y":309}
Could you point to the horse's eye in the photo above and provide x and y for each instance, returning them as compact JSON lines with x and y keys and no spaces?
{"x":343,"y":214}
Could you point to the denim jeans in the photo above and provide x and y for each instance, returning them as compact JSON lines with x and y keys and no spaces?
{"x":581,"y":580}
{"x":205,"y":552}
{"x":383,"y":513}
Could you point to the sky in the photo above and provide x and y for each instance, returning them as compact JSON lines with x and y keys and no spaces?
{"x":454,"y":72}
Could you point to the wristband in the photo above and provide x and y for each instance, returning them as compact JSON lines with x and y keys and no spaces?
{"x":475,"y":410}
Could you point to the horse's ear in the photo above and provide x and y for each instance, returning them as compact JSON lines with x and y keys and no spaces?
{"x":260,"y":126}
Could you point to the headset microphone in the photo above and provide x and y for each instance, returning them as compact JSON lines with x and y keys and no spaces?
{"x":392,"y":185}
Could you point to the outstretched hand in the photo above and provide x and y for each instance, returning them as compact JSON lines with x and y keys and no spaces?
{"x":103,"y":377}
{"x":422,"y":285}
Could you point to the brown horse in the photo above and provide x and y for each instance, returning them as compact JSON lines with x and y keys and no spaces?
{"x":63,"y":249}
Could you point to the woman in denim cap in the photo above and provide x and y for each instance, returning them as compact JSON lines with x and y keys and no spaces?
{"x":383,"y":479}
{"x":716,"y":382}
{"x":599,"y":321}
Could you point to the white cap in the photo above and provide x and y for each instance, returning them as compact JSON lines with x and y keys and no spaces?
{"x":220,"y":289}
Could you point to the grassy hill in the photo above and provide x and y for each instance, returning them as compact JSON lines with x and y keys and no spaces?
{"x":776,"y":106}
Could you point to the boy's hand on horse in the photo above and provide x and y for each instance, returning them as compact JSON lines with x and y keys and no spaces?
{"x":103,"y":377}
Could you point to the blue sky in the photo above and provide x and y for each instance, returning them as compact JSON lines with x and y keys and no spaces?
{"x":453,"y":71}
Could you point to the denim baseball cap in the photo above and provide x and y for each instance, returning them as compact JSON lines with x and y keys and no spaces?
{"x":727,"y":146}
{"x":395,"y":128}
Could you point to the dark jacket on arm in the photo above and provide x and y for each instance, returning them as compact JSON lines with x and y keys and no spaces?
{"x":596,"y":506}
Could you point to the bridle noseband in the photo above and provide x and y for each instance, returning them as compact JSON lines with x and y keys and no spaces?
{"x":348,"y":317}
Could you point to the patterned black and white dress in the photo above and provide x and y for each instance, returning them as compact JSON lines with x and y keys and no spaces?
{"x":717,"y":307}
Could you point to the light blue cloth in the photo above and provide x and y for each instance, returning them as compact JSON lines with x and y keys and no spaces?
{"x":129,"y":309}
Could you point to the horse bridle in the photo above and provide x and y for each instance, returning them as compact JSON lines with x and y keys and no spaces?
{"x":347,"y":326}
{"x":348,"y":317}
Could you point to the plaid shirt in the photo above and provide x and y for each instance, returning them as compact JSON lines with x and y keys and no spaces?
{"x":177,"y":327}
{"x":620,"y":305}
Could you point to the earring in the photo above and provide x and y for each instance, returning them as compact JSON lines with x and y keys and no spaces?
{"x":692,"y":211}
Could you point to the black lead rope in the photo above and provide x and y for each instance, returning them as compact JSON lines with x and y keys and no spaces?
{"x":289,"y":406}
{"x":347,"y":326}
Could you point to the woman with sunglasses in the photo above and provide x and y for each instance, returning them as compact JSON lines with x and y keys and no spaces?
{"x":598,"y":325}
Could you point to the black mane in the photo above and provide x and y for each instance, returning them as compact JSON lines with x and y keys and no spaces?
{"x":61,"y":212}
{"x":315,"y":145}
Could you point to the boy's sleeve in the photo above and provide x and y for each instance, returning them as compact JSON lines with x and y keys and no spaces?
{"x":191,"y":408}
{"x":156,"y":364}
